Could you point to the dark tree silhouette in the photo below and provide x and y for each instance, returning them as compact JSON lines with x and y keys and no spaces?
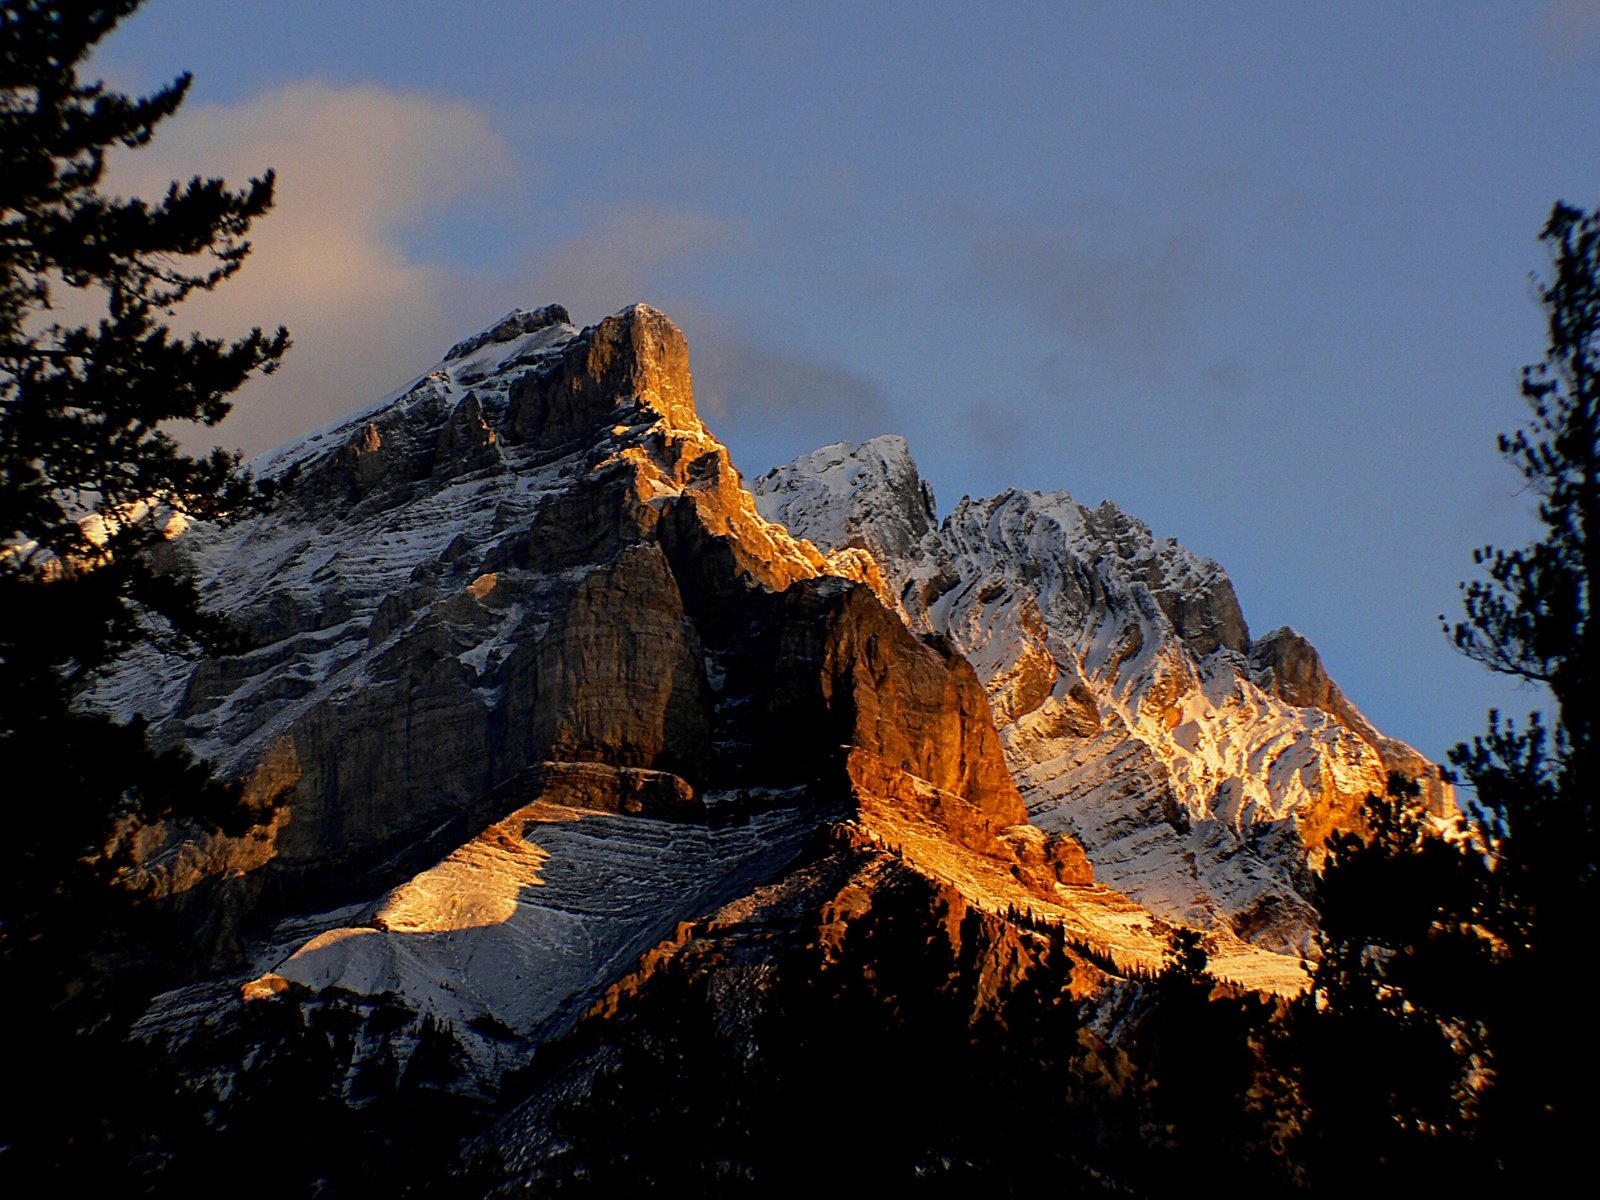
{"x":1534,"y":618}
{"x":90,"y":473}
{"x":1441,"y":1041}
{"x":1387,"y":1042}
{"x":90,"y":478}
{"x":1194,"y":1051}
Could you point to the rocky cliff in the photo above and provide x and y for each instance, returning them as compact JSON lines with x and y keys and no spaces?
{"x":537,"y":554}
{"x":534,"y":682}
{"x":1201,"y":769}
{"x":537,"y":684}
{"x":571,"y":754}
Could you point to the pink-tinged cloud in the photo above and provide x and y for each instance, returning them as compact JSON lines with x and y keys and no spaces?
{"x":357,"y":166}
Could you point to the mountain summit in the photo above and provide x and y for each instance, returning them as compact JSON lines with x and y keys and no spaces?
{"x":542,"y":699}
{"x":1199,"y":767}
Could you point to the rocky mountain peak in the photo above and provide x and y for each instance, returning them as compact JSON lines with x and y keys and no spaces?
{"x":869,"y":496}
{"x":523,"y":621}
{"x":514,"y":324}
{"x":1201,"y":771}
{"x":636,"y":356}
{"x":530,"y":379}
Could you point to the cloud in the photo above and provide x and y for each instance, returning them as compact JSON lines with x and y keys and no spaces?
{"x":362,"y":171}
{"x":1124,"y":303}
{"x":767,"y":398}
{"x":741,"y":385}
{"x":358,"y":168}
{"x":628,"y":255}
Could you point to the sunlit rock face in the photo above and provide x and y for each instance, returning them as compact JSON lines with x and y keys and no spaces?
{"x":535,"y":681}
{"x":535,"y":553}
{"x":517,"y":931}
{"x":1198,"y":768}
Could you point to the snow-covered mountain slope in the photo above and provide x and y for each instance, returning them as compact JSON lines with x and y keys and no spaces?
{"x":534,"y":681}
{"x":1198,"y":768}
{"x":518,"y":931}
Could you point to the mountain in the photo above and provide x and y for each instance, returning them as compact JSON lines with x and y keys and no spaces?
{"x":1200,"y":768}
{"x":545,"y":707}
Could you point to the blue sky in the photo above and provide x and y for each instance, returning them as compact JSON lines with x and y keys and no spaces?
{"x":1258,"y":272}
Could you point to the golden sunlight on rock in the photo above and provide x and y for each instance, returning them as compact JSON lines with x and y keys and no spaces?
{"x":267,"y":987}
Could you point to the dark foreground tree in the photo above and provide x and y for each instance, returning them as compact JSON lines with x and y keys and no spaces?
{"x":1386,"y":1045}
{"x":1534,"y":619}
{"x":92,"y":383}
{"x":1446,"y":1038}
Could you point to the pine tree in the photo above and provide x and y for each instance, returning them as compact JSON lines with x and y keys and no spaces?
{"x":1195,"y":1066}
{"x":91,"y":478}
{"x":1387,"y":1042}
{"x":90,"y":474}
{"x":1440,"y":1040}
{"x":1533,"y":618}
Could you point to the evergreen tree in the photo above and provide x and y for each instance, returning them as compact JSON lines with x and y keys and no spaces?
{"x":1385,"y":1045}
{"x":1196,"y":1068}
{"x":1440,"y":1040}
{"x":90,"y":479}
{"x":90,"y":473}
{"x":1533,"y":618}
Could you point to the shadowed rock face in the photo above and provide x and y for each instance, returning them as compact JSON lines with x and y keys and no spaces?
{"x":826,"y":665}
{"x":619,"y":676}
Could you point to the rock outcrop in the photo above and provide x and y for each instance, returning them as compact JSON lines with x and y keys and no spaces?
{"x":543,"y":705}
{"x":1199,"y":768}
{"x":536,"y":553}
{"x":522,"y":621}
